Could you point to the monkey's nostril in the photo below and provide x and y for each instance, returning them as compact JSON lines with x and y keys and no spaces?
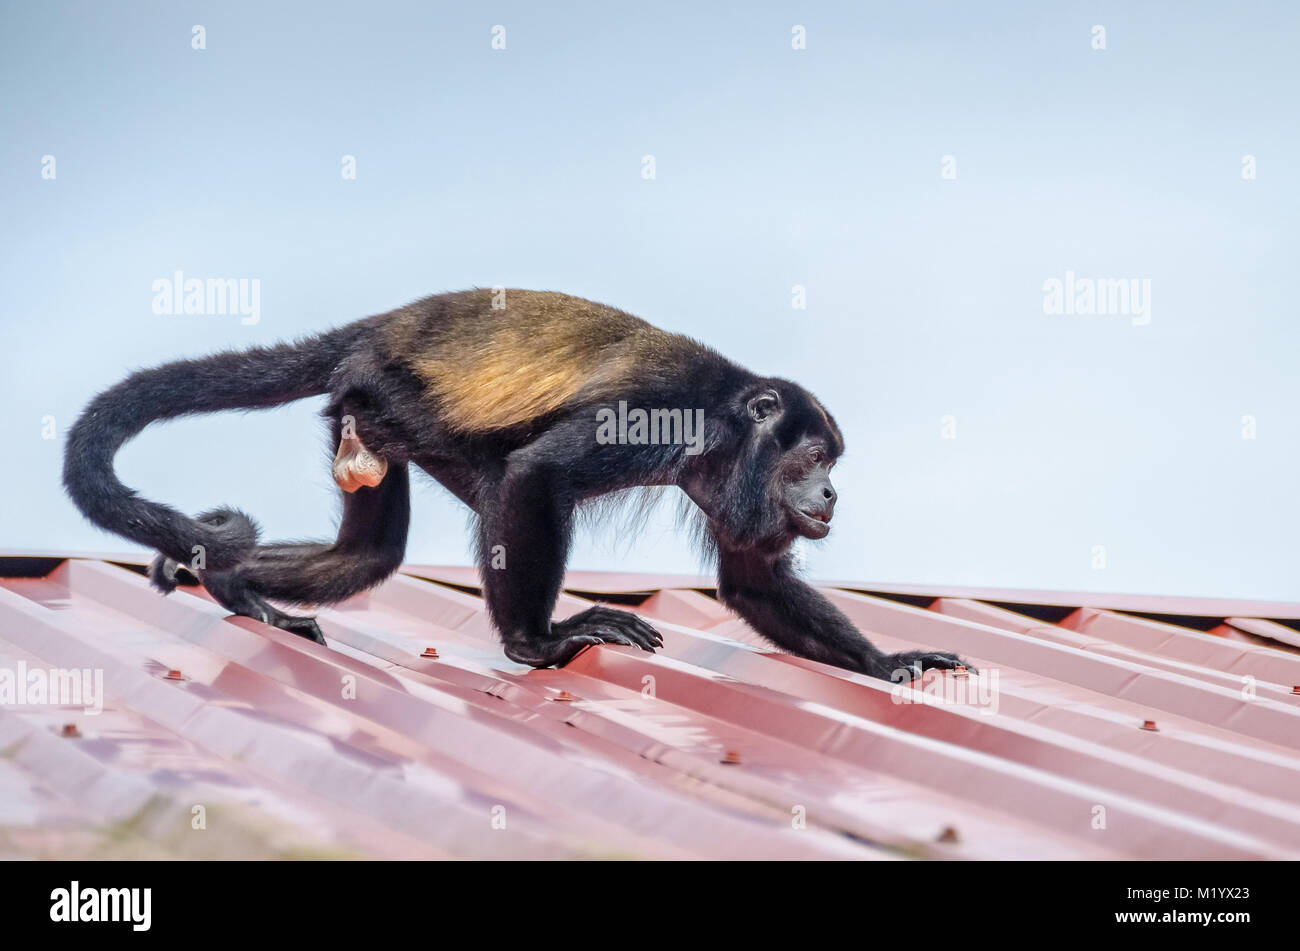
{"x":828,"y":495}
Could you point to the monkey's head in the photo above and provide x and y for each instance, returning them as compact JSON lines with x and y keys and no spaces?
{"x":766,"y":478}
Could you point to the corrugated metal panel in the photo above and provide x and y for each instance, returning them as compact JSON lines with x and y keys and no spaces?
{"x":412,"y":735}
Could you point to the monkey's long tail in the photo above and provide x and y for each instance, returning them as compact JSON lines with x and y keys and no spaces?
{"x":248,"y":379}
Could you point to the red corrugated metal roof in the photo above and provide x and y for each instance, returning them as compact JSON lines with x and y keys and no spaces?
{"x":717,"y":746}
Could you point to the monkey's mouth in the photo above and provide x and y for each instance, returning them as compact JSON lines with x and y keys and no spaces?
{"x":814,"y":524}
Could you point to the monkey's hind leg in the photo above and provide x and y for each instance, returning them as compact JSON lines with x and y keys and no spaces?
{"x":356,"y":466}
{"x":370,"y":547}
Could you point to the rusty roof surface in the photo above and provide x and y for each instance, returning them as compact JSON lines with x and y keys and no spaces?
{"x":1098,"y":727}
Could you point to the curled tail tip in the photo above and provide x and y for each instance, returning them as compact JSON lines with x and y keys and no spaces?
{"x":232,"y":537}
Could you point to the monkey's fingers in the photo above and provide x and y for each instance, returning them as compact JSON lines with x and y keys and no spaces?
{"x":648,"y":635}
{"x":942,"y":660}
{"x":917,"y":662}
{"x":645,"y":635}
{"x":633,"y":627}
{"x":628,"y":625}
{"x":610,"y":636}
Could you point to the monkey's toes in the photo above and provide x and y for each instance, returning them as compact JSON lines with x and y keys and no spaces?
{"x":303,"y":627}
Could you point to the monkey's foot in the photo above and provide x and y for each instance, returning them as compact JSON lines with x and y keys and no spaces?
{"x":355,"y":465}
{"x":908,"y":665}
{"x":302,"y":626}
{"x":232,"y":591}
{"x":598,"y":625}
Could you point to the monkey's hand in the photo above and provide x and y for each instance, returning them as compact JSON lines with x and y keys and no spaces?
{"x":355,"y":465}
{"x":908,"y":665}
{"x":598,"y":625}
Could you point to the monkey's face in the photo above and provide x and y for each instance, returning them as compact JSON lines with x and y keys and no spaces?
{"x":804,"y":443}
{"x":770,"y":483}
{"x":808,"y":497}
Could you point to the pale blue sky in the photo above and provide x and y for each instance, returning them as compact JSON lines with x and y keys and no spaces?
{"x":775,"y":167}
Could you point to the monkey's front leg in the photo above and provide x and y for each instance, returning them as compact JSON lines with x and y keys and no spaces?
{"x":792,"y":614}
{"x":355,"y":465}
{"x":523,"y":540}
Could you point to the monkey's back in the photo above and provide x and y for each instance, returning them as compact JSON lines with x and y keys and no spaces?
{"x":489,"y":368}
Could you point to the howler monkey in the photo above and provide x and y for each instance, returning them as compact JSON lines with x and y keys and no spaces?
{"x":504,"y":406}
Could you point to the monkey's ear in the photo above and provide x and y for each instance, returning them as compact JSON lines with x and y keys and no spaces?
{"x":764,"y":405}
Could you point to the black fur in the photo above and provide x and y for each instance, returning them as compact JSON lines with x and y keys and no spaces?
{"x":251,"y":379}
{"x":761,"y":481}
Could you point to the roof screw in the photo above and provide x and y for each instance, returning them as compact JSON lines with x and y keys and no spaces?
{"x":949,"y":834}
{"x":430,"y":652}
{"x":175,"y":675}
{"x":563,"y":697}
{"x":70,"y":730}
{"x":1150,"y":726}
{"x":732,"y":758}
